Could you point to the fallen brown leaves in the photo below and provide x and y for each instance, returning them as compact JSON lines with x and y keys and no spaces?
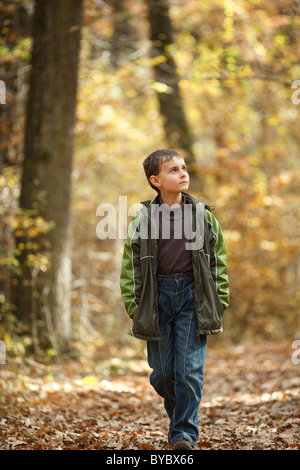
{"x":250,"y":401}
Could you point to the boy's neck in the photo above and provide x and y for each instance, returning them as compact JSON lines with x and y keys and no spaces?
{"x":170,"y":199}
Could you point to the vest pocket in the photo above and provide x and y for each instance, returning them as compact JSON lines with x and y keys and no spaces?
{"x":209,"y":309}
{"x":145,"y":318}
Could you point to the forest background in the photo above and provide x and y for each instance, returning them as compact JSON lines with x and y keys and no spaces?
{"x":217,"y":81}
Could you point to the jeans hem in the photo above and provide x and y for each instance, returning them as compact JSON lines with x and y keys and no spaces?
{"x":182,"y":436}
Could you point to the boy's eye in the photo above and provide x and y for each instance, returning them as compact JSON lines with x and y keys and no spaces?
{"x":177,"y":169}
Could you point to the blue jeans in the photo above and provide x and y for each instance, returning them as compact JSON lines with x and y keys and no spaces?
{"x":178,"y":360}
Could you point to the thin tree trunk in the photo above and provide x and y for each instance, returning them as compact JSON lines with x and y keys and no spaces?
{"x":43,"y":291}
{"x":177,"y":131}
{"x":121,"y":42}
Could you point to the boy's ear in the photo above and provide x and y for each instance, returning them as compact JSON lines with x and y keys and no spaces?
{"x":155,"y":181}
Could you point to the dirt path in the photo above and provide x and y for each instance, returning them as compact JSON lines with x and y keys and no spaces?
{"x":251,"y":401}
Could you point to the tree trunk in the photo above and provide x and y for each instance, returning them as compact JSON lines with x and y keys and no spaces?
{"x":177,"y":131}
{"x":43,"y":289}
{"x":121,"y":42}
{"x":14,"y":75}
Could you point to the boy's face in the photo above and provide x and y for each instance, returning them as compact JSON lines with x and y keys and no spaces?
{"x":172,"y":177}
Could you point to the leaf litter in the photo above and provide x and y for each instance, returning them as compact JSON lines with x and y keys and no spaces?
{"x":250,"y":401}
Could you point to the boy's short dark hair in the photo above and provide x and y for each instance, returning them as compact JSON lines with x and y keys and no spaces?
{"x":154,"y":161}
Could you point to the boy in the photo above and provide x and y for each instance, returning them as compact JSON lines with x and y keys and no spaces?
{"x":174,"y":285}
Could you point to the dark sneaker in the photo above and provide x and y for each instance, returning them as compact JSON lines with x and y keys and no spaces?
{"x":182,"y":444}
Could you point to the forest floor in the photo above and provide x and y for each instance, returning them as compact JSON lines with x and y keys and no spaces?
{"x":251,"y":401}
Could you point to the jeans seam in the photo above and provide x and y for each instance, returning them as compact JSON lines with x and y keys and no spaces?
{"x":164,"y":374}
{"x":184,"y":365}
